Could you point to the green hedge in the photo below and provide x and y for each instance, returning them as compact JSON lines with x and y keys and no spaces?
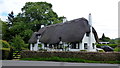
{"x":96,"y":56}
{"x":117,"y":49}
{"x":5,"y":44}
{"x":111,"y":45}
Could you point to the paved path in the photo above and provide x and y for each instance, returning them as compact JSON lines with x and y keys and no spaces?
{"x":49,"y":63}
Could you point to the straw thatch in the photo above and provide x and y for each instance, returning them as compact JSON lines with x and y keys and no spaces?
{"x":70,"y":31}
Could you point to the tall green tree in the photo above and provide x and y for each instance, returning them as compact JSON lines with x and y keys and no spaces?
{"x":5,"y":31}
{"x":104,"y":38}
{"x":37,"y":14}
{"x":1,"y":29}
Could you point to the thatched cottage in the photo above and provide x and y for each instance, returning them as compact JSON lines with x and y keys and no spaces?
{"x":74,"y":35}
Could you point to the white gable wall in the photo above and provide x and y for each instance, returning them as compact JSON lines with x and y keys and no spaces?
{"x":86,"y":39}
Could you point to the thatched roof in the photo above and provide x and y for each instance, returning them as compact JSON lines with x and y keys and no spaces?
{"x":34,"y":38}
{"x":70,"y":31}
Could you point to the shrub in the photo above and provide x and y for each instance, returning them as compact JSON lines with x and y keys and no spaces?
{"x":101,"y":51}
{"x":5,"y":44}
{"x":42,"y":49}
{"x":111,"y":45}
{"x":117,"y":49}
{"x":17,"y":42}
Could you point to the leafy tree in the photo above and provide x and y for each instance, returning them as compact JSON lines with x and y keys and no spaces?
{"x":1,"y":29}
{"x":17,"y":42}
{"x":1,"y":24}
{"x":104,"y":39}
{"x":26,"y":34}
{"x":5,"y":31}
{"x":37,"y":14}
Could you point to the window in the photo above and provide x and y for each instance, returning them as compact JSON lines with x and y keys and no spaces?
{"x":75,"y":46}
{"x":87,"y":33}
{"x":85,"y":45}
{"x":50,"y":46}
{"x":93,"y":45}
{"x":45,"y":45}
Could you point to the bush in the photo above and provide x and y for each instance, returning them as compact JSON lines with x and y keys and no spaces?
{"x":111,"y":45}
{"x":101,"y":51}
{"x":17,"y":42}
{"x":5,"y":44}
{"x":117,"y":49}
{"x":42,"y":49}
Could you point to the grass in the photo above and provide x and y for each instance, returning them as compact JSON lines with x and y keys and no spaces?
{"x":69,"y":60}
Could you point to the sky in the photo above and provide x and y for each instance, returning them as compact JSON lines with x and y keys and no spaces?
{"x":104,"y":12}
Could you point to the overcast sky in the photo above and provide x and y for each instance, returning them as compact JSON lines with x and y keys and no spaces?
{"x":104,"y":12}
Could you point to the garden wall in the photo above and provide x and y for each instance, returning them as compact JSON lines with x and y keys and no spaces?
{"x":97,"y":56}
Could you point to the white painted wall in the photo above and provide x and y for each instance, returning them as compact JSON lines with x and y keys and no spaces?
{"x":31,"y":47}
{"x":86,"y":40}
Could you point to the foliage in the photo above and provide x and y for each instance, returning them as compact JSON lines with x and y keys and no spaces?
{"x":10,"y":19}
{"x":5,"y":31}
{"x":111,"y":45}
{"x":117,"y":49}
{"x":17,"y":42}
{"x":68,"y":60}
{"x":1,"y":24}
{"x":104,"y":39}
{"x":1,"y":29}
{"x":5,"y":49}
{"x":5,"y":44}
{"x":42,"y":49}
{"x":33,"y":15}
{"x":101,"y":51}
{"x":40,"y":45}
{"x":37,"y":14}
{"x":26,"y":34}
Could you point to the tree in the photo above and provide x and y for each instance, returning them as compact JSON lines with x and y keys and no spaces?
{"x":33,"y":15}
{"x":5,"y":31}
{"x":37,"y":14}
{"x":17,"y":42}
{"x":1,"y":29}
{"x":20,"y":28}
{"x":104,"y":39}
{"x":10,"y":18}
